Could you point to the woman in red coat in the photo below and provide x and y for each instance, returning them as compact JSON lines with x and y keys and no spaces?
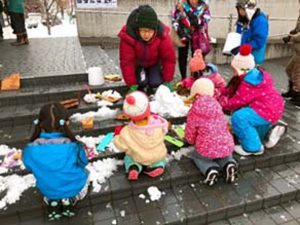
{"x":147,"y":56}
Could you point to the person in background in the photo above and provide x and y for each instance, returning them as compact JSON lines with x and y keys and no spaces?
{"x":1,"y":20}
{"x":16,"y":12}
{"x":147,"y":55}
{"x":293,"y":67}
{"x":190,"y":20}
{"x":253,"y":25}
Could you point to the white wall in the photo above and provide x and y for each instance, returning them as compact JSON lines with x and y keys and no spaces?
{"x":107,"y":22}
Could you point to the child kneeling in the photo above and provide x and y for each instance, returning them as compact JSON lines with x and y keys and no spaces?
{"x":143,"y":138}
{"x":57,"y":161}
{"x":207,"y":129}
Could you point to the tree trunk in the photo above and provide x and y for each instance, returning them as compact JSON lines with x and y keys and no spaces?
{"x":47,"y":17}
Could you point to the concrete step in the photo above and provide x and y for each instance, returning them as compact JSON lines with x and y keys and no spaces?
{"x":186,"y":200}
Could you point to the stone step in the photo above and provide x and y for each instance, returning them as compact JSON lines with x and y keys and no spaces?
{"x":53,"y":92}
{"x":184,"y":202}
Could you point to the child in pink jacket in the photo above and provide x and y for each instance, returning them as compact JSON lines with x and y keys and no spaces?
{"x":199,"y":69}
{"x":255,"y":103}
{"x":206,"y":128}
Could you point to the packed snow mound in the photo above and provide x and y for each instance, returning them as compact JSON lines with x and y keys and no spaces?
{"x":102,"y":114}
{"x":154,"y":193}
{"x":168,"y":104}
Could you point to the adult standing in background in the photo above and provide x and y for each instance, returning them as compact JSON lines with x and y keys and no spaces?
{"x":190,"y":21}
{"x":253,"y":25}
{"x":16,"y":12}
{"x":293,"y":67}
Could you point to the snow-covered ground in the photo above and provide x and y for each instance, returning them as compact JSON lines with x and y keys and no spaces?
{"x":66,"y":29}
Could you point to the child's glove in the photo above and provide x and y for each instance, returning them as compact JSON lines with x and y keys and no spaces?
{"x":132,"y":88}
{"x":169,"y":85}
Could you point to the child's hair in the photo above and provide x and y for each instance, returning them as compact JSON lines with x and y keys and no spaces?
{"x":52,"y":118}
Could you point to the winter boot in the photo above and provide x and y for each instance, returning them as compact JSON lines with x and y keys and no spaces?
{"x":21,"y":40}
{"x":211,"y":177}
{"x":54,"y":209}
{"x":296,"y":98}
{"x":133,"y":173}
{"x":17,"y":40}
{"x":25,"y":36}
{"x":68,"y":206}
{"x":154,"y":171}
{"x":275,"y":134}
{"x":230,"y":172}
{"x":289,"y":93}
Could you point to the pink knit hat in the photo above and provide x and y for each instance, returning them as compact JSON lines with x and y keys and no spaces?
{"x":136,"y":106}
{"x":244,"y":60}
{"x":197,"y":63}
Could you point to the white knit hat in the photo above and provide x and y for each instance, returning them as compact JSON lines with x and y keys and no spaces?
{"x":244,"y":60}
{"x":202,"y":87}
{"x":136,"y":105}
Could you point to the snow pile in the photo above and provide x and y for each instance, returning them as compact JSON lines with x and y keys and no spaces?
{"x":11,"y":158}
{"x":104,"y":103}
{"x":111,"y":93}
{"x":90,"y":98}
{"x":168,"y":103}
{"x":101,"y":170}
{"x":102,"y":114}
{"x":154,"y":193}
{"x":14,"y":186}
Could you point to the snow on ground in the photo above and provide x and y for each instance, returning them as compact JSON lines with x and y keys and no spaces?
{"x":101,"y":170}
{"x":179,"y":153}
{"x":154,"y":193}
{"x":66,"y":29}
{"x":14,"y":186}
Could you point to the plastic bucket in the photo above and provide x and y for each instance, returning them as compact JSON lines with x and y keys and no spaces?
{"x":95,"y":76}
{"x":233,"y":40}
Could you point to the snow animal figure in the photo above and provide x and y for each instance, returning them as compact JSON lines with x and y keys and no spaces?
{"x":206,"y":128}
{"x":142,"y":139}
{"x":57,"y":161}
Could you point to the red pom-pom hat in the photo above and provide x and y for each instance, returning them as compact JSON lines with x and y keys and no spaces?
{"x":244,"y":60}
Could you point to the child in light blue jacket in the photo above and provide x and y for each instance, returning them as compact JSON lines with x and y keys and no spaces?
{"x":57,"y":161}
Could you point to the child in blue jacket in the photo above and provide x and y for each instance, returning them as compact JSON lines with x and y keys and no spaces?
{"x":57,"y":161}
{"x":253,"y":25}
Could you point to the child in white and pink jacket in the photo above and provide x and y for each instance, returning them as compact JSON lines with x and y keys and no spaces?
{"x":142,"y":139}
{"x":207,"y":129}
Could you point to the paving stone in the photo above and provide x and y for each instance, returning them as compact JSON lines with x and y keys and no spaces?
{"x":106,"y":222}
{"x":102,"y":211}
{"x":222,"y":222}
{"x":194,"y":210}
{"x":293,"y":208}
{"x":240,"y":220}
{"x":278,"y":214}
{"x":11,"y":220}
{"x":173,"y":214}
{"x":287,"y":190}
{"x":294,"y":222}
{"x":131,"y":219}
{"x":84,"y":216}
{"x":120,"y":186}
{"x":126,"y":206}
{"x":260,"y":217}
{"x":145,"y":204}
{"x":151,"y":217}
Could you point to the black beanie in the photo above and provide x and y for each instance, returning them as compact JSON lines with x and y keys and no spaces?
{"x":146,"y":18}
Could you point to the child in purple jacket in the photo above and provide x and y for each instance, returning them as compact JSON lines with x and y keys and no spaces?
{"x":207,"y":129}
{"x":255,"y":103}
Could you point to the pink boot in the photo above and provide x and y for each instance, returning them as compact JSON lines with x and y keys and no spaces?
{"x":133,"y":175}
{"x":155,"y":172}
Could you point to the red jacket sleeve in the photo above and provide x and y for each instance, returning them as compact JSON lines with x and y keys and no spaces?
{"x":168,"y":59}
{"x":127,"y":62}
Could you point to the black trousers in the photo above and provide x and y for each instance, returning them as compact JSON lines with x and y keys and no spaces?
{"x":183,"y":54}
{"x":17,"y":22}
{"x":1,"y":30}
